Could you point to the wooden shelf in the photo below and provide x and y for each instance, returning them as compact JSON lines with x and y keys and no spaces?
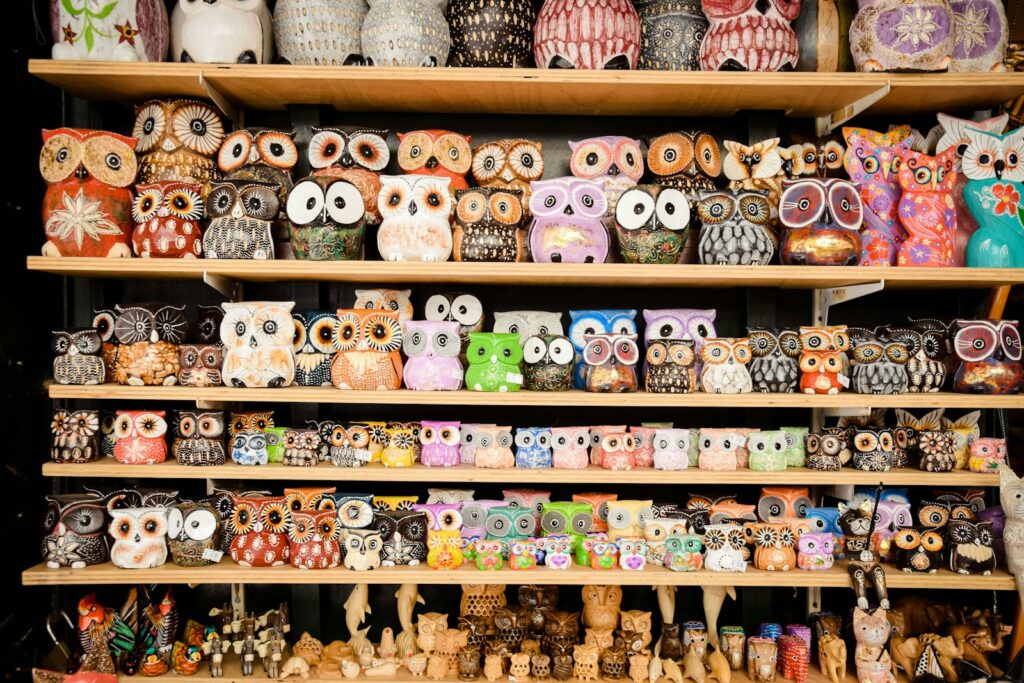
{"x":532,"y":91}
{"x":228,"y":572}
{"x":546,"y":274}
{"x":295,"y":394}
{"x":468,"y":474}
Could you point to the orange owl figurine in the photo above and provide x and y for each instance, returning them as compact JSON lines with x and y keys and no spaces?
{"x":367,"y":345}
{"x":436,"y":152}
{"x":824,"y":367}
{"x":927,"y":209}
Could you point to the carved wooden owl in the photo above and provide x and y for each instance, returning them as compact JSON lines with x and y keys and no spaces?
{"x":200,"y":365}
{"x":241,"y":214}
{"x":192,"y":529}
{"x":139,"y":537}
{"x":774,"y":367}
{"x":167,"y":216}
{"x":725,"y":366}
{"x":415,"y":210}
{"x":77,"y":356}
{"x":148,"y":337}
{"x":637,"y":621}
{"x":601,"y":606}
{"x":75,"y":531}
{"x":490,"y":225}
{"x":927,"y":211}
{"x":878,"y":363}
{"x":199,"y":438}
{"x":509,"y":163}
{"x":736,"y":228}
{"x":257,"y":338}
{"x":367,"y":345}
{"x":178,"y":140}
{"x":436,"y":153}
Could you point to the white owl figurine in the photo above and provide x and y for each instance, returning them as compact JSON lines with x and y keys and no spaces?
{"x":222,"y":32}
{"x":416,"y":210}
{"x":725,"y":366}
{"x":257,"y":338}
{"x":671,"y":449}
{"x":139,"y":537}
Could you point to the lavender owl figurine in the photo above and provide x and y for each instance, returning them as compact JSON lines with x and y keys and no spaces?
{"x":432,"y":348}
{"x":979,"y":35}
{"x":902,"y":35}
{"x":117,"y":31}
{"x":567,"y":221}
{"x":440,"y":443}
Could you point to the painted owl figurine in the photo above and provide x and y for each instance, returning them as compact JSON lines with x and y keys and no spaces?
{"x":986,"y":454}
{"x":569,"y":447}
{"x":717,"y":449}
{"x":178,"y":141}
{"x":919,"y":550}
{"x":632,"y":554}
{"x":652,"y":224}
{"x":725,"y":366}
{"x":320,"y":32}
{"x":313,"y":346}
{"x":613,"y":161}
{"x":670,"y":34}
{"x":757,"y":167}
{"x":775,"y":367}
{"x":87,"y":206}
{"x":821,"y":219}
{"x":927,"y":211}
{"x":609,"y":363}
{"x":511,"y":163}
{"x":495,"y":362}
{"x":199,"y":365}
{"x":767,"y":451}
{"x":75,"y":436}
{"x":890,"y":36}
{"x":400,"y":450}
{"x":970,"y":547}
{"x":415,"y":211}
{"x":434,"y":152}
{"x":523,"y":554}
{"x":406,"y":34}
{"x":361,"y":549}
{"x":78,"y":356}
{"x":872,"y":449}
{"x":198,"y":438}
{"x":879,"y":364}
{"x":990,"y":357}
{"x":260,"y":528}
{"x":594,"y":322}
{"x":192,"y":529}
{"x":560,"y":518}
{"x":820,"y":158}
{"x":440,"y":441}
{"x":726,"y":546}
{"x":139,"y":537}
{"x":356,"y":154}
{"x":528,"y":323}
{"x":548,"y":363}
{"x":995,"y":182}
{"x":567,"y":221}
{"x":313,"y":539}
{"x":750,"y":36}
{"x":148,"y":337}
{"x":617,"y":451}
{"x":533,"y":447}
{"x":222,"y":33}
{"x":491,"y":34}
{"x":167,"y":216}
{"x":671,"y":449}
{"x":627,"y":518}
{"x":432,"y":351}
{"x":736,"y":228}
{"x":241,"y":214}
{"x":444,"y":549}
{"x":261,"y":155}
{"x":570,"y":35}
{"x":75,"y":531}
{"x":815,"y":551}
{"x":490,"y":225}
{"x":493,"y":445}
{"x":683,"y":553}
{"x":257,"y":338}
{"x":405,"y":536}
{"x":327,"y":218}
{"x":249,"y":448}
{"x":367,"y":347}
{"x":823,"y":361}
{"x":140,"y":437}
{"x":301,"y":447}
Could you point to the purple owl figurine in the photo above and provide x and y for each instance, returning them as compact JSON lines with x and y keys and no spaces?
{"x":902,"y":35}
{"x":440,"y":443}
{"x":433,"y":352}
{"x":567,"y":221}
{"x":980,"y":34}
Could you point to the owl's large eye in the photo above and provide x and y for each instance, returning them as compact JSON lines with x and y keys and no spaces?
{"x":260,"y":202}
{"x":488,"y":160}
{"x":1009,"y":339}
{"x":634,"y":209}
{"x":526,"y":160}
{"x":506,"y":208}
{"x":184,"y":203}
{"x":975,"y":341}
{"x":186,"y":427}
{"x":471,"y":207}
{"x":325,"y":148}
{"x":220,"y":200}
{"x":870,"y":164}
{"x":590,"y":160}
{"x":234,"y":152}
{"x":534,"y":349}
{"x":84,"y":520}
{"x":277,"y":149}
{"x":344,"y":203}
{"x":382,"y":333}
{"x":305,"y":202}
{"x":346,"y":332}
{"x":715,"y":208}
{"x":629,"y":159}
{"x":370,"y":151}
{"x":672,"y":209}
{"x":415,"y":342}
{"x":274,"y":517}
{"x":150,"y":123}
{"x":199,"y":127}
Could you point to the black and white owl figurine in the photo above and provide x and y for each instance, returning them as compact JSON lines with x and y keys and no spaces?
{"x":78,"y":356}
{"x":75,"y":436}
{"x":879,"y":364}
{"x":192,"y":529}
{"x":670,"y":366}
{"x":775,"y":366}
{"x":314,"y":347}
{"x":735,"y":228}
{"x":919,"y":550}
{"x":971,"y":548}
{"x":241,"y":213}
{"x":199,"y":438}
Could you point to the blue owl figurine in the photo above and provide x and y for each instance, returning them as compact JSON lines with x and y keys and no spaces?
{"x":992,"y":164}
{"x":249,"y":448}
{"x":533,"y":447}
{"x":588,"y":322}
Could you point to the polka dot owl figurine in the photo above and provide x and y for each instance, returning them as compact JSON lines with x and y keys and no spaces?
{"x":319,"y":32}
{"x":775,"y":366}
{"x":604,"y":34}
{"x":670,"y":367}
{"x":241,"y":214}
{"x":178,"y":141}
{"x":927,"y":211}
{"x":149,"y":336}
{"x":567,"y":221}
{"x":260,"y":528}
{"x":406,"y":33}
{"x":367,"y":348}
{"x":489,"y":225}
{"x":313,"y":345}
{"x":434,"y":152}
{"x":257,"y":338}
{"x":495,"y":362}
{"x":652,"y":224}
{"x":614,"y":161}
{"x":327,"y":219}
{"x":736,"y":228}
{"x":432,"y":352}
{"x":491,"y":33}
{"x":313,"y":539}
{"x":725,"y":366}
{"x":991,"y":163}
{"x":167,"y":216}
{"x":415,"y":212}
{"x":77,"y":356}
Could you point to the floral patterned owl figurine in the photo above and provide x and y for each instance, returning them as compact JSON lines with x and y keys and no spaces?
{"x":567,"y":221}
{"x":902,"y":36}
{"x":133,"y":31}
{"x":490,"y":225}
{"x":609,"y":363}
{"x":601,"y":35}
{"x":257,"y":338}
{"x":432,"y":349}
{"x":652,"y":224}
{"x":75,"y":531}
{"x":415,"y":210}
{"x":327,"y":219}
{"x":549,"y":360}
{"x":927,"y":210}
{"x":750,"y":36}
{"x":367,"y":346}
{"x":995,"y":183}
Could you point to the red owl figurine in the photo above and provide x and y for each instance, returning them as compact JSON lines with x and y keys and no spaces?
{"x":167,"y":219}
{"x":927,"y":209}
{"x":750,"y":35}
{"x":313,"y":539}
{"x":141,"y":437}
{"x":598,"y":34}
{"x":438,"y":153}
{"x":260,"y":528}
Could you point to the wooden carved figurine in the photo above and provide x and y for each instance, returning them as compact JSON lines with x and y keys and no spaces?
{"x":871,"y":631}
{"x":857,"y":525}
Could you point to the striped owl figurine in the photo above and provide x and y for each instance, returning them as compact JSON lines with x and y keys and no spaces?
{"x":725,"y":366}
{"x":367,"y":348}
{"x":879,"y":364}
{"x":78,"y":356}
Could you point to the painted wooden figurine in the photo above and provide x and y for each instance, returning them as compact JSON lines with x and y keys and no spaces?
{"x":604,"y":34}
{"x":118,"y":31}
{"x":927,"y":210}
{"x":902,"y":35}
{"x":750,"y":36}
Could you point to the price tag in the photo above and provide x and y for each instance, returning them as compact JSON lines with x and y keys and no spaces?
{"x":213,"y":555}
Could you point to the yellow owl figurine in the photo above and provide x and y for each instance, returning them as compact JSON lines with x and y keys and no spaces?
{"x":628,"y":518}
{"x":401,"y":448}
{"x":444,"y":549}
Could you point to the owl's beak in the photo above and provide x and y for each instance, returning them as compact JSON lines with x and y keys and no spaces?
{"x":568,"y":211}
{"x":154,"y":337}
{"x":138,"y":539}
{"x":254,"y":154}
{"x":1000,"y":166}
{"x":413,"y":208}
{"x":613,"y":170}
{"x":494,"y":358}
{"x":168,"y":145}
{"x":346,"y":160}
{"x":432,"y":163}
{"x":252,"y":342}
{"x":73,"y":351}
{"x":236,"y":211}
{"x":82,"y":174}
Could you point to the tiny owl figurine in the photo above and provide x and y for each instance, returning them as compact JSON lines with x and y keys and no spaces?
{"x":327,"y":219}
{"x":178,"y":141}
{"x":736,"y":228}
{"x":139,"y":537}
{"x":567,"y":222}
{"x":533,"y":447}
{"x":990,"y":357}
{"x":75,"y":531}
{"x":432,"y":351}
{"x":872,"y":449}
{"x":222,"y":32}
{"x":670,"y":366}
{"x":313,"y":539}
{"x":609,"y":363}
{"x":902,"y":36}
{"x":927,"y":211}
{"x":613,"y":161}
{"x":821,"y":219}
{"x":241,"y":213}
{"x":491,"y":34}
{"x":557,"y":552}
{"x":495,"y":362}
{"x":919,"y":550}
{"x":652,"y":224}
{"x":683,"y":553}
{"x":511,"y":163}
{"x":632,"y":554}
{"x":440,"y":441}
{"x":774,"y":367}
{"x":490,"y":225}
{"x":75,"y":436}
{"x":522,"y":554}
{"x":767,"y":451}
{"x":717,"y":449}
{"x":670,"y":34}
{"x":986,"y":454}
{"x":434,"y":152}
{"x":970,"y":547}
{"x":400,"y":450}
{"x":78,"y":356}
{"x":167,"y":216}
{"x":548,"y":363}
{"x":823,"y":361}
{"x":750,"y":36}
{"x":368,"y":350}
{"x":313,"y":346}
{"x":199,"y":365}
{"x":815,"y":551}
{"x":357,"y":154}
{"x":148,"y":337}
{"x":140,"y":437}
{"x":192,"y":529}
{"x":260,"y":528}
{"x":995,"y":181}
{"x":87,"y":206}
{"x":569,"y":447}
{"x":257,"y":338}
{"x":261,"y":155}
{"x":416,"y":210}
{"x":725,"y":366}
{"x":878,"y":364}
{"x":671,"y":449}
{"x":198,"y":438}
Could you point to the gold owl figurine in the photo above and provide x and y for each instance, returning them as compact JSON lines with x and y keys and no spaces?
{"x":757,"y":167}
{"x":178,"y":140}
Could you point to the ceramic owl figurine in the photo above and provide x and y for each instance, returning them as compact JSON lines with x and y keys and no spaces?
{"x":491,"y":33}
{"x":130,"y":31}
{"x":927,"y":211}
{"x":815,"y":551}
{"x":327,"y":219}
{"x":88,"y":200}
{"x":767,"y":451}
{"x":432,"y":351}
{"x":823,"y":361}
{"x":78,"y":356}
{"x":671,"y":32}
{"x":725,"y":366}
{"x":319,"y":32}
{"x":750,"y":36}
{"x":406,"y":33}
{"x":569,"y":447}
{"x":260,"y":528}
{"x":736,"y":228}
{"x":609,"y":363}
{"x":548,"y":363}
{"x":440,"y":441}
{"x":613,"y":161}
{"x":257,"y":338}
{"x":198,"y":438}
{"x":490,"y":225}
{"x":567,"y":222}
{"x":990,"y":357}
{"x":178,"y":141}
{"x":313,"y":539}
{"x":357,"y":154}
{"x":495,"y":362}
{"x":652,"y":224}
{"x":75,"y":531}
{"x":902,"y":36}
{"x":439,"y":153}
{"x":367,"y":346}
{"x":671,"y":449}
{"x":774,"y":367}
{"x":241,"y":214}
{"x":222,"y":32}
{"x":139,"y":537}
{"x":821,"y":219}
{"x":992,"y":194}
{"x":192,"y":529}
{"x":533,"y":447}
{"x":140,"y":437}
{"x":570,"y":35}
{"x":415,"y":211}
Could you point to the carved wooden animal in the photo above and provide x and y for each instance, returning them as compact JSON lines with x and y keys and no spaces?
{"x":948,"y":651}
{"x":295,"y":666}
{"x":639,"y":668}
{"x":973,"y":639}
{"x":437,"y":667}
{"x":924,"y":615}
{"x":693,"y":666}
{"x":672,"y":671}
{"x":718,"y":666}
{"x":832,"y":657}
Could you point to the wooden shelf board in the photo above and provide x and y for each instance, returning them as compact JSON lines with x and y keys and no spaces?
{"x":531,"y":91}
{"x":468,"y":474}
{"x":296,"y":394}
{"x":228,"y":572}
{"x":546,"y":274}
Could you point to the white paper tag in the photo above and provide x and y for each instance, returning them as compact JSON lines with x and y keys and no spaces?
{"x":844,"y":380}
{"x":513,"y":378}
{"x":212,"y":555}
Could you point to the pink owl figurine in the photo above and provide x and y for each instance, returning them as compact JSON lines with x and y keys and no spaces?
{"x":643,"y":446}
{"x":815,"y":551}
{"x":432,"y":348}
{"x":140,"y":437}
{"x":614,"y":161}
{"x":440,"y":442}
{"x":750,"y":35}
{"x":632,"y":553}
{"x":873,"y":161}
{"x":567,"y":221}
{"x":598,"y":34}
{"x":927,"y":210}
{"x":569,"y":447}
{"x":986,"y":454}
{"x":617,"y":451}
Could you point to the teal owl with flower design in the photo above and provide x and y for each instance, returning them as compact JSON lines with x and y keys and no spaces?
{"x":994,"y":167}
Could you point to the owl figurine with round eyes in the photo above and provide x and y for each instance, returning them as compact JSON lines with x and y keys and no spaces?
{"x":327,"y":219}
{"x":367,"y":348}
{"x":241,"y":214}
{"x":990,"y":357}
{"x":683,"y":553}
{"x":386,"y":300}
{"x":355,"y":153}
{"x":490,"y":225}
{"x":461,"y":307}
{"x":200,"y":365}
{"x":313,"y":345}
{"x":432,"y":352}
{"x":821,"y":158}
{"x":766,"y":450}
{"x":671,"y":449}
{"x":77,"y":356}
{"x":685,"y":160}
{"x":725,"y":366}
{"x":313,"y":539}
{"x":178,"y":141}
{"x":750,"y":36}
{"x":609,"y":363}
{"x":919,"y":549}
{"x":615,"y":162}
{"x":139,"y":537}
{"x":198,"y":438}
{"x":434,"y":152}
{"x":774,"y":367}
{"x":511,"y":163}
{"x":814,"y":551}
{"x":301,"y":447}
{"x":260,"y":528}
{"x":823,"y":361}
{"x":670,"y":366}
{"x":670,"y":34}
{"x":75,"y":436}
{"x":440,"y":441}
{"x":717,"y":449}
{"x":261,"y":155}
{"x":736,"y":228}
{"x":401,"y":448}
{"x":995,"y":180}
{"x":148,"y":337}
{"x":652,"y":224}
{"x":167,"y":216}
{"x":569,"y":447}
{"x":820,"y":220}
{"x":75,"y":531}
{"x":495,"y":362}
{"x":599,"y":35}
{"x":257,"y":338}
{"x":879,"y":364}
{"x":927,"y":211}
{"x":970,"y":547}
{"x":872,"y":449}
{"x":88,"y":200}
{"x":416,"y":211}
{"x":528,"y":323}
{"x":192,"y":529}
{"x":140,"y":437}
{"x":548,"y":362}
{"x":222,"y":33}
{"x":568,"y":222}
{"x":756,"y":167}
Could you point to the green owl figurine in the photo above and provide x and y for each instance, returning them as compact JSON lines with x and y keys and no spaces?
{"x":495,"y":362}
{"x":796,"y":452}
{"x":683,"y":553}
{"x":767,"y":451}
{"x":572,"y":519}
{"x":487,"y":554}
{"x":275,"y":444}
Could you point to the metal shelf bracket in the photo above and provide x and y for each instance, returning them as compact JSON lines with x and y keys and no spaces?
{"x":828,"y":123}
{"x":222,"y":102}
{"x":824,"y":299}
{"x":224,"y":285}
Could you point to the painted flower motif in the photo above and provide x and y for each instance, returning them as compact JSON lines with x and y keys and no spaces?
{"x":59,"y":423}
{"x":128,"y":33}
{"x":403,"y":441}
{"x":1007,"y":199}
{"x":78,"y":219}
{"x":62,"y":550}
{"x":920,"y":253}
{"x":69,"y":34}
{"x":87,"y":424}
{"x":972,"y":26}
{"x":916,"y":27}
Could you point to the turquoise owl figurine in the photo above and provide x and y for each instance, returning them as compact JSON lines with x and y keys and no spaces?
{"x":994,"y":167}
{"x":495,"y":362}
{"x":683,"y":553}
{"x":508,"y":523}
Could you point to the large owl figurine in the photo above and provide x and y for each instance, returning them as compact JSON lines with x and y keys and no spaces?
{"x":494,"y":33}
{"x":260,"y":528}
{"x":192,"y":529}
{"x":613,"y":161}
{"x":368,"y":350}
{"x":434,"y":152}
{"x":774,"y":367}
{"x":600,"y":35}
{"x":652,"y":224}
{"x":601,"y":606}
{"x":879,"y":364}
{"x":618,"y":321}
{"x":927,"y":211}
{"x":222,"y":32}
{"x":75,"y":531}
{"x":490,"y":225}
{"x":567,"y":221}
{"x":990,"y":357}
{"x":750,"y":36}
{"x":736,"y":228}
{"x":888,"y":36}
{"x":873,"y":161}
{"x":669,"y":367}
{"x":149,"y":336}
{"x":140,"y":437}
{"x":241,"y":214}
{"x":313,"y":345}
{"x":991,"y":163}
{"x":327,"y":219}
{"x":178,"y":141}
{"x":548,"y":363}
{"x":88,"y":201}
{"x":354,"y":153}
{"x":262,"y":155}
{"x":432,"y":351}
{"x":821,"y":219}
{"x":139,"y":537}
{"x":167,"y":216}
{"x":77,"y":356}
{"x":495,"y":362}
{"x":970,"y":547}
{"x":198,"y":438}
{"x":511,"y":163}
{"x":257,"y":338}
{"x":609,"y":363}
{"x":670,"y":34}
{"x":725,"y":366}
{"x":416,"y":210}
{"x":757,"y":166}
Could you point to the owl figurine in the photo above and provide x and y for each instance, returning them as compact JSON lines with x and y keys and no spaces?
{"x":319,"y":32}
{"x":824,"y":451}
{"x":548,"y":363}
{"x":652,"y":224}
{"x":75,"y":531}
{"x":140,"y":437}
{"x":261,"y":155}
{"x":432,"y":351}
{"x":167,"y":216}
{"x":361,"y":549}
{"x":510,"y":163}
{"x":670,"y":34}
{"x":669,"y":367}
{"x":490,"y":225}
{"x":627,"y":518}
{"x":567,"y":222}
{"x":434,"y":152}
{"x":756,"y":167}
{"x":78,"y":356}
{"x":595,"y":322}
{"x":872,"y":449}
{"x":415,"y":212}
{"x":717,"y":449}
{"x":745,"y":214}
{"x":767,"y":451}
{"x":609,"y":363}
{"x":75,"y":436}
{"x":750,"y":36}
{"x":970,"y":547}
{"x":198,"y":438}
{"x":507,"y":523}
{"x":440,"y":441}
{"x":570,"y":35}
{"x":683,"y":553}
{"x":178,"y":140}
{"x":367,"y":345}
{"x":774,"y":367}
{"x":313,"y":346}
{"x":927,"y":211}
{"x":491,"y":34}
{"x":221,"y":32}
{"x":617,"y":451}
{"x":632,"y":554}
{"x":533,"y":447}
{"x":990,"y":357}
{"x":301,"y":447}
{"x":249,"y":448}
{"x":725,"y":366}
{"x":821,"y":158}
{"x":878,"y":364}
{"x":241,"y":214}
{"x":400,"y":450}
{"x":726,"y":546}
{"x":879,"y":40}
{"x":139,"y":537}
{"x":199,"y":365}
{"x":986,"y":454}
{"x":148,"y":337}
{"x":560,"y":518}
{"x":671,"y":449}
{"x":995,"y":181}
{"x":528,"y":323}
{"x":821,"y":219}
{"x":327,"y":218}
{"x":569,"y":447}
{"x":613,"y":161}
{"x":873,"y":161}
{"x":260,"y":528}
{"x":257,"y":337}
{"x":88,"y":200}
{"x":522,"y":554}
{"x":192,"y":530}
{"x":444,"y":549}
{"x":785,"y":502}
{"x":823,"y":361}
{"x":815,"y":551}
{"x":404,"y":533}
{"x":313,"y":539}
{"x":556,"y":551}
{"x":495,"y":362}
{"x":490,"y":445}
{"x":919,"y":550}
